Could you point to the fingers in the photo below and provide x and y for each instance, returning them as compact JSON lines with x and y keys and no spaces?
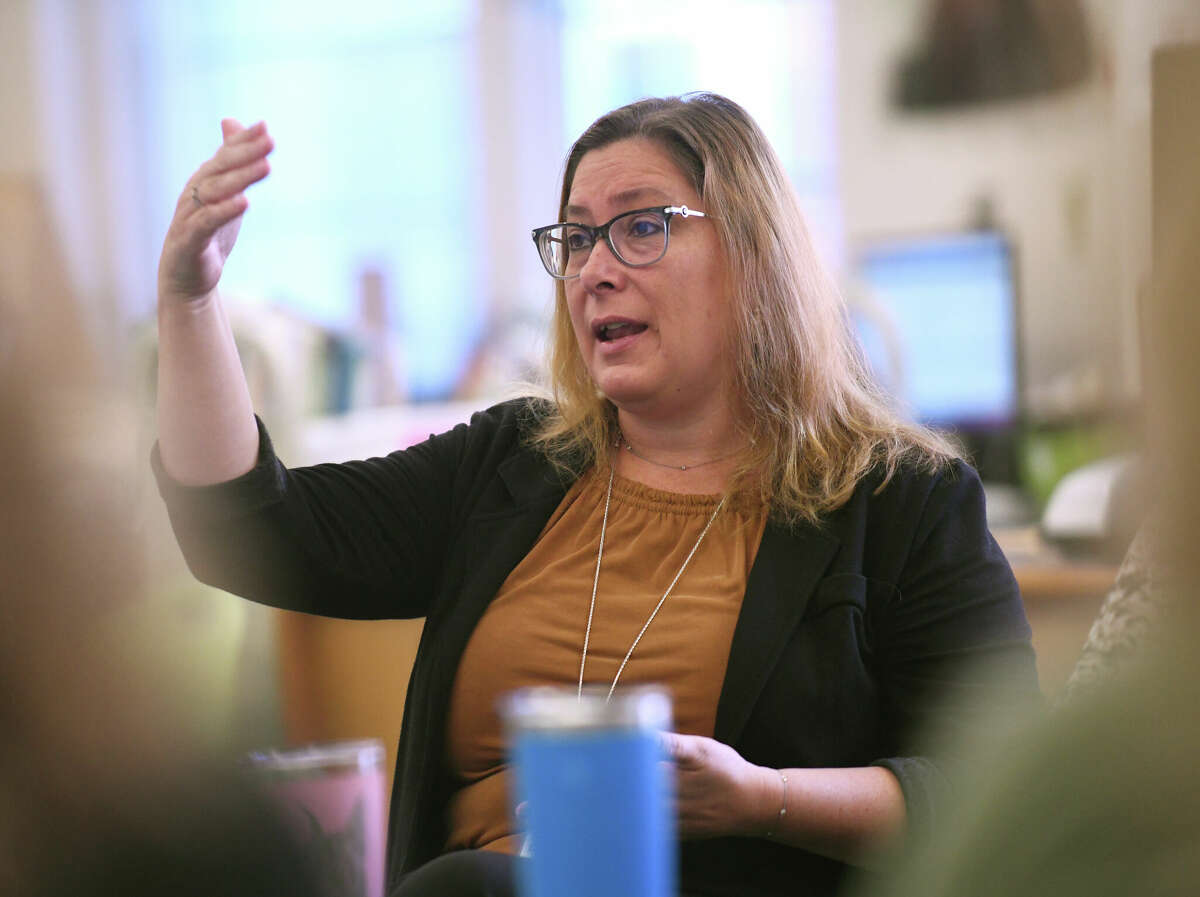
{"x":238,"y":148}
{"x":208,"y":214}
{"x":240,"y":162}
{"x":217,"y":188}
{"x":212,"y":217}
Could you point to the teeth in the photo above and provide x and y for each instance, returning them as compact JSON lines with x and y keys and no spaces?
{"x":605,"y":331}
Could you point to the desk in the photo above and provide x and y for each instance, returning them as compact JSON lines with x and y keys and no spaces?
{"x":1063,"y":580}
{"x":1062,"y":597}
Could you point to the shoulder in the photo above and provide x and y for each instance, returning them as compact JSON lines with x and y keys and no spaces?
{"x":498,"y":439}
{"x":514,"y":417}
{"x":502,"y":429}
{"x":900,"y":510}
{"x":925,"y":482}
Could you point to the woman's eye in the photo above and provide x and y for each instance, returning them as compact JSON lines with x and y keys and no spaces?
{"x":578,"y":240}
{"x":644,"y":226}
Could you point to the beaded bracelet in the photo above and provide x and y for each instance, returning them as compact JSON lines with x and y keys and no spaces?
{"x":783,"y":806}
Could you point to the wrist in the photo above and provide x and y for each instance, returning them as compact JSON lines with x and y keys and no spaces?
{"x":171,"y":301}
{"x":776,"y":817}
{"x":762,"y":818}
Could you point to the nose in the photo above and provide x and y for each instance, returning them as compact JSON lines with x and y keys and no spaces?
{"x":602,"y":270}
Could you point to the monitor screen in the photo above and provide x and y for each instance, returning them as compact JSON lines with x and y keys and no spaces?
{"x":936,"y":317}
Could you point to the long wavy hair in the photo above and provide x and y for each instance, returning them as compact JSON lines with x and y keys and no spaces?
{"x":815,"y":422}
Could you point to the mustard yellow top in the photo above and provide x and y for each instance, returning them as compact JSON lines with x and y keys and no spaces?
{"x":532,"y":632}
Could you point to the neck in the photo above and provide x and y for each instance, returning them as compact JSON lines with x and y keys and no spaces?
{"x":697,"y":455}
{"x":681,"y":441}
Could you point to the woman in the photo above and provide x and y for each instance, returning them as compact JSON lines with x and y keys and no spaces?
{"x":714,"y":498}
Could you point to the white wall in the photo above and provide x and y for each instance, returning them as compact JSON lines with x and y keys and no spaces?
{"x":65,"y":94}
{"x":18,"y":149}
{"x":1066,"y":174}
{"x":1044,"y":165}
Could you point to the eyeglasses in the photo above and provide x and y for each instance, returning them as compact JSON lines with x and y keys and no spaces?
{"x":638,"y":238}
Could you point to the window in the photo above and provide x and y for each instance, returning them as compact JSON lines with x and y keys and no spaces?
{"x":417,"y":144}
{"x":375,"y":166}
{"x":774,"y":57}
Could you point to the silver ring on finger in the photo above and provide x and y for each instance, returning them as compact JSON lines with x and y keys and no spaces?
{"x":196,"y":197}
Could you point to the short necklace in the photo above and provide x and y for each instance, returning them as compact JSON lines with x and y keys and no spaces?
{"x":587,"y":634}
{"x":629,"y":448}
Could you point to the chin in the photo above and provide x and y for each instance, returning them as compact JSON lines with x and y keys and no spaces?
{"x":622,"y":398}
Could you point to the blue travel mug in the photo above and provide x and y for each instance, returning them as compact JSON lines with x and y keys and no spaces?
{"x":591,"y":771}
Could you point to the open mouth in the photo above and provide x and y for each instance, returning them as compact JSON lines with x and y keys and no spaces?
{"x":614,"y":330}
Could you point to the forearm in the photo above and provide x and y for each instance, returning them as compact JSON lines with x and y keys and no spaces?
{"x":846,"y":814}
{"x":206,"y":427}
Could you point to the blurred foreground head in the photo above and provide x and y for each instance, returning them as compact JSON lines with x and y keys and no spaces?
{"x":100,"y":790}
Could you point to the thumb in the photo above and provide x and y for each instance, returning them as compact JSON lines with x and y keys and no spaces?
{"x":672,"y":744}
{"x":229,"y":127}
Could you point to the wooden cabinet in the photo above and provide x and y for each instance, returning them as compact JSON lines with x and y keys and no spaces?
{"x":345,"y":679}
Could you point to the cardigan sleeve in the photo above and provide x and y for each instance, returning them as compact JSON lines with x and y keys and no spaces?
{"x":357,"y":540}
{"x":954,"y":651}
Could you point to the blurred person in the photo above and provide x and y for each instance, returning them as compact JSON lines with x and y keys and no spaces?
{"x":101,"y":789}
{"x":1102,"y":798}
{"x":1129,"y":624}
{"x":713,"y":497}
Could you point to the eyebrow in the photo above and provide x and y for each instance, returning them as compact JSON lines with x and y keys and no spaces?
{"x":625,"y":196}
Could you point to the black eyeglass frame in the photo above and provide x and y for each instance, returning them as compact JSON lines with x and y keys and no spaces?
{"x":602,"y":231}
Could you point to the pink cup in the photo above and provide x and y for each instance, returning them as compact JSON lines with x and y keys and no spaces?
{"x":332,"y":799}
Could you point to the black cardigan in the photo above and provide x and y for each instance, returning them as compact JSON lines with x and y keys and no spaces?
{"x":853,"y":639}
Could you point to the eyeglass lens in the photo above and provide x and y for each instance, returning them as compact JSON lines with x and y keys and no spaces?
{"x":637,"y":238}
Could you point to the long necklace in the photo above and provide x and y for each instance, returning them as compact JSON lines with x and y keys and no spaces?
{"x":587,"y":633}
{"x":629,"y":448}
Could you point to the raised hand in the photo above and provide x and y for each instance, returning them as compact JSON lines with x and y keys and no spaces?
{"x":209,"y":213}
{"x":717,"y":791}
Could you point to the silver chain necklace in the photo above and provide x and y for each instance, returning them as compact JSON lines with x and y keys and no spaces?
{"x":629,"y":448}
{"x":587,"y":633}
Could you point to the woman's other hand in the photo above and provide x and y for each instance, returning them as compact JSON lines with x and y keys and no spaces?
{"x":717,"y":792}
{"x":850,"y":814}
{"x":209,"y":213}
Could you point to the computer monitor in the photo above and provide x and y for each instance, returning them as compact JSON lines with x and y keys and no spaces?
{"x":937,"y":318}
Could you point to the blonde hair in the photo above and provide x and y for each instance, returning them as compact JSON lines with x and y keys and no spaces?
{"x":815,"y":421}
